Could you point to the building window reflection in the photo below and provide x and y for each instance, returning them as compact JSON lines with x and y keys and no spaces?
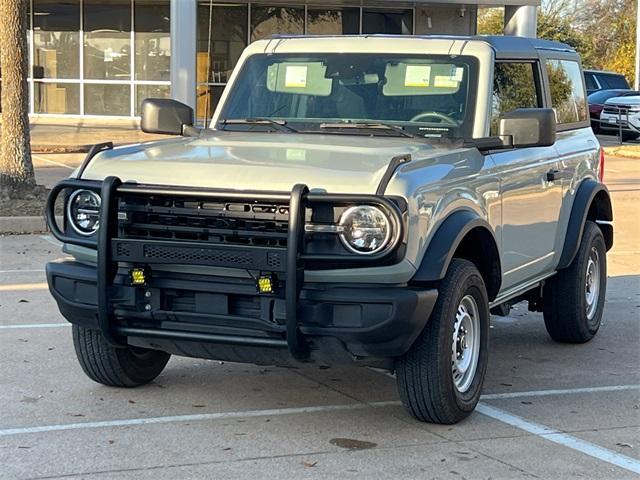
{"x":333,"y":21}
{"x":152,"y":40}
{"x":107,"y":40}
{"x":56,"y":38}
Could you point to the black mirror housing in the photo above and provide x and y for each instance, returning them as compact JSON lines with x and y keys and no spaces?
{"x":529,"y":127}
{"x":165,"y":116}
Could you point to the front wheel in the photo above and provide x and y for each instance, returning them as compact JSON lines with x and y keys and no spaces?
{"x":440,"y":378}
{"x":116,"y":366}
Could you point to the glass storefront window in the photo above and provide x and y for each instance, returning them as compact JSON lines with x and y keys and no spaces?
{"x":152,"y":40}
{"x":56,"y":98}
{"x":207,"y":100}
{"x":150,"y":91}
{"x":269,"y":20}
{"x":228,"y":40}
{"x":107,"y":99}
{"x":56,"y":27}
{"x":333,"y":21}
{"x":387,"y":21}
{"x":107,"y":39}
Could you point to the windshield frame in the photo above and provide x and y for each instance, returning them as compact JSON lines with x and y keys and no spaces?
{"x":424,"y":130}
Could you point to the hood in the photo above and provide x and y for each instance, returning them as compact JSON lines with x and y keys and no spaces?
{"x":630,"y":100}
{"x":259,"y":161}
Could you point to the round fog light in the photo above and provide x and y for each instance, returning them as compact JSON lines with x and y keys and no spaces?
{"x":83,"y":211}
{"x":365,"y":229}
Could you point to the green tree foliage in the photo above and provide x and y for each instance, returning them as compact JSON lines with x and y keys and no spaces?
{"x":602,"y":31}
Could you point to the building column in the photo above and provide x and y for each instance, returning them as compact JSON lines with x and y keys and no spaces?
{"x":520,"y":21}
{"x":183,"y":51}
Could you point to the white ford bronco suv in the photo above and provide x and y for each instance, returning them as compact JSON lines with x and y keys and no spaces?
{"x":365,"y":200}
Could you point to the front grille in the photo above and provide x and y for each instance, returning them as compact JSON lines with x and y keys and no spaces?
{"x":195,"y":220}
{"x":617,"y":109}
{"x":197,"y":255}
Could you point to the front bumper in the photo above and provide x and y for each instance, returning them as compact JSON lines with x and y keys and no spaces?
{"x":624,"y":122}
{"x":339,"y":322}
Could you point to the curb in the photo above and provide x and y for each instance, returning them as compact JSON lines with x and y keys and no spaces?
{"x":623,"y":151}
{"x":60,"y":148}
{"x":24,"y":225}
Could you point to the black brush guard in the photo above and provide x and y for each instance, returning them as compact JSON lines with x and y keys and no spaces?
{"x":111,"y":249}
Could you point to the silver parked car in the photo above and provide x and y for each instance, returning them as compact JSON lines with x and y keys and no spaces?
{"x":365,"y":200}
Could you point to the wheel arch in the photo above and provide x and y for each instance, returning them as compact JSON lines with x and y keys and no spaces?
{"x":463,"y":234}
{"x":592,"y":202}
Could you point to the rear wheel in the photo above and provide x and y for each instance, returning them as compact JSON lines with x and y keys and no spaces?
{"x":116,"y":366}
{"x":574,"y":297}
{"x":440,"y":378}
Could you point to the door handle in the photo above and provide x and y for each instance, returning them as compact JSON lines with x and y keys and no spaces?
{"x":553,"y":174}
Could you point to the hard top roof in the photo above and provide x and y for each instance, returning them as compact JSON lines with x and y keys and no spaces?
{"x":505,"y":46}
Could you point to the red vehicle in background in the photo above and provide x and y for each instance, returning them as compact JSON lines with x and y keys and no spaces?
{"x":596,"y":103}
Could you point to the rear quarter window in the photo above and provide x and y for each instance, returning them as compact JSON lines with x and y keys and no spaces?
{"x":568,"y":97}
{"x":613,"y":81}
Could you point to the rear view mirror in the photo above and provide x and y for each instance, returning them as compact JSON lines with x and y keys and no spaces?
{"x":529,"y":127}
{"x":166,"y":116}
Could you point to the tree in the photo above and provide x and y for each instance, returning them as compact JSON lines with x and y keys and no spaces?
{"x":16,"y":168}
{"x":602,"y":31}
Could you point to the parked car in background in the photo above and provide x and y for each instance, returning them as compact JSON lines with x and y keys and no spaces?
{"x":596,"y":103}
{"x":622,"y":114}
{"x":600,"y":80}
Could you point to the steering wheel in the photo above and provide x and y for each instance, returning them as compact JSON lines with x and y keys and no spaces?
{"x":433,"y":114}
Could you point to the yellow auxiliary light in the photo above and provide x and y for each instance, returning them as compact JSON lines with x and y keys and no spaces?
{"x":265,"y":284}
{"x":138,"y":276}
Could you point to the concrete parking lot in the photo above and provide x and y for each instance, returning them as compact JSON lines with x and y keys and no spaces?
{"x":548,"y":410}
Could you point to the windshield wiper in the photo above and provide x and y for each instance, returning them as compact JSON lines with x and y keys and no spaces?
{"x":368,"y":126}
{"x":279,"y":125}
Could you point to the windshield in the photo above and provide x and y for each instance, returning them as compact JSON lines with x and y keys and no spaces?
{"x":424,"y":95}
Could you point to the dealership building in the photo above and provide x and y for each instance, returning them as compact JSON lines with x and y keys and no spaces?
{"x":103,"y":57}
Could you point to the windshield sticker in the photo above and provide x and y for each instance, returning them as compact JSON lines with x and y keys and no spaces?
{"x":459,"y":74}
{"x":296,"y":154}
{"x":296,"y":76}
{"x":417,"y":76}
{"x":441,"y":81}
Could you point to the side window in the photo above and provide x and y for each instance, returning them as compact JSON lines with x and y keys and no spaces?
{"x":590,"y":81}
{"x":514,"y":86}
{"x":568,"y":97}
{"x":615,"y":81}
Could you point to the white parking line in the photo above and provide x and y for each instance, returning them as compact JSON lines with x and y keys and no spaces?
{"x":35,"y":270}
{"x":35,"y":325}
{"x":53,"y":162}
{"x":569,"y":391}
{"x":22,"y":287}
{"x":560,"y":438}
{"x":192,"y":418}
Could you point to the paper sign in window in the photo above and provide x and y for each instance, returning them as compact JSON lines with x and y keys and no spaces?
{"x":417,"y":76}
{"x":440,"y":81}
{"x":296,"y":76}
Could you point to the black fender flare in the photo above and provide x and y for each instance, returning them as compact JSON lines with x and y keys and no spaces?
{"x":585,"y":196}
{"x":446,"y":241}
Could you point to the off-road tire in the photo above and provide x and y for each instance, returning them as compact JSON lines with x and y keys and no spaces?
{"x":564,"y":294}
{"x":424,"y":374}
{"x":116,"y":366}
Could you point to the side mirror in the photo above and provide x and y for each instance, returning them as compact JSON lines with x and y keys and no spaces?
{"x":166,"y":116}
{"x":529,"y":127}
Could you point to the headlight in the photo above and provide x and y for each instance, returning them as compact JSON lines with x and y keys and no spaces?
{"x":365,"y":229}
{"x":83,"y":211}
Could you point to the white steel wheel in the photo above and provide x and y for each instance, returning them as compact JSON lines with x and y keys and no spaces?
{"x":465,"y":345}
{"x":592,"y":283}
